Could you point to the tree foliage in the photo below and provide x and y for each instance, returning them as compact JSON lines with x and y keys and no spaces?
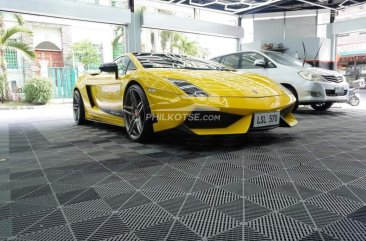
{"x":86,"y":53}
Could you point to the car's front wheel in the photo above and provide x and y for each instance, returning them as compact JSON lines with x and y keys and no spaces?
{"x":137,"y":114}
{"x":78,"y":109}
{"x":322,"y":106}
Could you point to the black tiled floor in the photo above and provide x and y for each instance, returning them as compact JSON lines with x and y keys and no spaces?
{"x":59,"y":181}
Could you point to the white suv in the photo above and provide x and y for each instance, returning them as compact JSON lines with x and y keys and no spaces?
{"x":317,"y":87}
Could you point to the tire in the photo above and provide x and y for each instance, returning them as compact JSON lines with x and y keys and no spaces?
{"x":354,"y":101}
{"x":293,"y":91}
{"x":78,"y":109}
{"x":322,"y":106}
{"x":137,"y":114}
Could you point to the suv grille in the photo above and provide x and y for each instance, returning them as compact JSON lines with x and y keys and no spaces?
{"x":333,"y":78}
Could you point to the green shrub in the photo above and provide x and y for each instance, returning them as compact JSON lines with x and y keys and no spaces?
{"x":38,"y":91}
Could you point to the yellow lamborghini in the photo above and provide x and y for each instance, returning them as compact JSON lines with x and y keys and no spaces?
{"x":153,"y":92}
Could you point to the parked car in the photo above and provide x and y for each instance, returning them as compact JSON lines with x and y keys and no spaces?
{"x":317,"y":87}
{"x":152,"y":92}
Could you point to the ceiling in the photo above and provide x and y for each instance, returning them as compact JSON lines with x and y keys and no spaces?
{"x":266,"y":6}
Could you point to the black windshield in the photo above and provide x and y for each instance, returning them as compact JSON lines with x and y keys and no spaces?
{"x":176,"y":61}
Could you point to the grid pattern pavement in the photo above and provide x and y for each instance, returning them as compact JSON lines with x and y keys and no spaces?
{"x":59,"y":181}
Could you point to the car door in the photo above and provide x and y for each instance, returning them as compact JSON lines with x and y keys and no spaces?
{"x":109,"y":90}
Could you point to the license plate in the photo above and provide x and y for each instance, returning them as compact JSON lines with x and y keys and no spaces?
{"x":339,"y":90}
{"x":266,"y":119}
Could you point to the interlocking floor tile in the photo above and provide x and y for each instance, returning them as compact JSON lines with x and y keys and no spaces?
{"x":279,"y":227}
{"x":209,"y":222}
{"x":305,"y":183}
{"x":272,"y":200}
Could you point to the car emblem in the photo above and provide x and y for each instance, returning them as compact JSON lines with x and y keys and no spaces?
{"x":255,"y":91}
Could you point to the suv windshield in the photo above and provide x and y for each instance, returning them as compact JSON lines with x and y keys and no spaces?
{"x":284,"y":59}
{"x":176,"y":61}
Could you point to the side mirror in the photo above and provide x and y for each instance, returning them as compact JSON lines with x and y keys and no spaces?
{"x":260,"y":63}
{"x":109,"y":68}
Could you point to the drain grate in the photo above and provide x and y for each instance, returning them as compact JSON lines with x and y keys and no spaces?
{"x":215,"y":196}
{"x":209,"y":222}
{"x":279,"y":227}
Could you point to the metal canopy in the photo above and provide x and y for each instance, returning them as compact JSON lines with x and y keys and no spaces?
{"x":265,"y":6}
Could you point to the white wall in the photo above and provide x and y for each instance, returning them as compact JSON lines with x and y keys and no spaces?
{"x":301,"y":26}
{"x":268,"y":29}
{"x":46,"y":33}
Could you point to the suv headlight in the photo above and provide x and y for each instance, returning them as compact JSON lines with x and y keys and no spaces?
{"x":308,"y":75}
{"x":188,"y":88}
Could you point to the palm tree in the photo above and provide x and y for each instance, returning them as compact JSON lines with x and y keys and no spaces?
{"x":6,"y":42}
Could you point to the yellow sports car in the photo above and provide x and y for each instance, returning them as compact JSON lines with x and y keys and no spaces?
{"x":153,"y":92}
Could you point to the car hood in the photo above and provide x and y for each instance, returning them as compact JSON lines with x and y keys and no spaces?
{"x":320,"y":71}
{"x":225,"y":83}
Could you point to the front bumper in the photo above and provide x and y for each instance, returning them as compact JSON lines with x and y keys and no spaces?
{"x":320,"y":92}
{"x":237,"y":113}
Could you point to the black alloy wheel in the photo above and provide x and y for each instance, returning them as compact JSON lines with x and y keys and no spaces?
{"x":78,"y":109}
{"x":137,"y":114}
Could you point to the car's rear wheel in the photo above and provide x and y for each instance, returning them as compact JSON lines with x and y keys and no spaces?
{"x":322,"y":106}
{"x":78,"y":109}
{"x":137,"y":114}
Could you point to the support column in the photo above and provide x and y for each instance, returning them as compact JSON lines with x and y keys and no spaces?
{"x":134,"y":33}
{"x":239,"y":40}
{"x":134,"y":29}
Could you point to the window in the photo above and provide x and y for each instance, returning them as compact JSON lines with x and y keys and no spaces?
{"x":248,"y":58}
{"x":231,"y":60}
{"x":131,"y":67}
{"x":122,"y":64}
{"x":11,"y":58}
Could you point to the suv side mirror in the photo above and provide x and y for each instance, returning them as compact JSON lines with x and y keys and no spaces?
{"x":260,"y":63}
{"x":109,"y":68}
